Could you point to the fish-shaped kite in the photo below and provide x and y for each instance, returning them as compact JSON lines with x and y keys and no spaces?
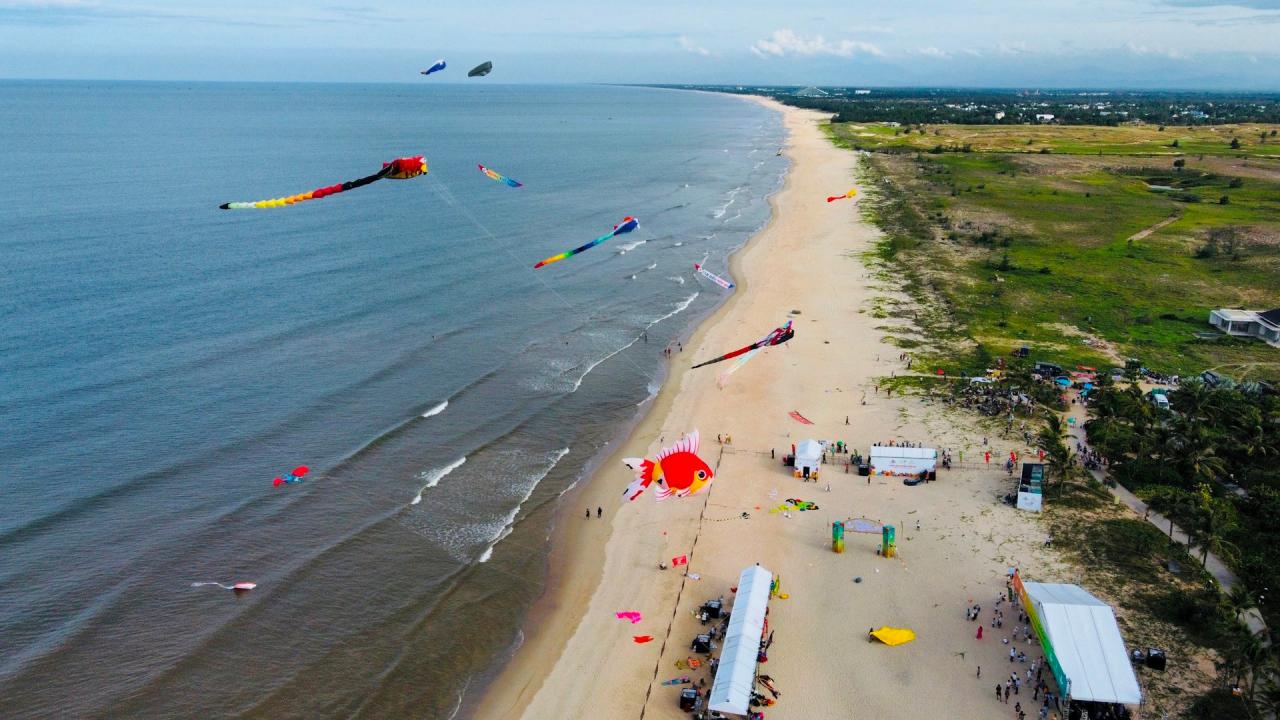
{"x":712,"y":277}
{"x":293,"y":477}
{"x":500,"y":177}
{"x":398,"y":169}
{"x":775,"y":337}
{"x":481,"y":70}
{"x":677,"y":471}
{"x":847,"y":195}
{"x":627,"y":225}
{"x":437,"y":66}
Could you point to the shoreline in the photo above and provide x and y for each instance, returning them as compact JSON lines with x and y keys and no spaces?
{"x":548,"y":624}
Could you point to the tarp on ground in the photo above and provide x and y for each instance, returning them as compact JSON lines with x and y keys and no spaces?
{"x":893,"y":636}
{"x":736,"y":675}
{"x":1080,"y":631}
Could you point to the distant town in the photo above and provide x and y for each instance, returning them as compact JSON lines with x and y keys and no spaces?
{"x":1018,"y":107}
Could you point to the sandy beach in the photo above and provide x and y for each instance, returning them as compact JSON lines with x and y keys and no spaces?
{"x":955,"y":539}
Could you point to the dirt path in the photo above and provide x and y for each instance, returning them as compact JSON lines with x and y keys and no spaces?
{"x":1142,"y":234}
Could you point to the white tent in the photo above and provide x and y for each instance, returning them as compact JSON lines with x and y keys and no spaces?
{"x":808,"y":455}
{"x":736,"y":676}
{"x":896,"y":460}
{"x":1083,"y":634}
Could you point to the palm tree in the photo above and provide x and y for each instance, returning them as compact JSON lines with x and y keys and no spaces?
{"x":1060,"y":460}
{"x":1217,"y":518}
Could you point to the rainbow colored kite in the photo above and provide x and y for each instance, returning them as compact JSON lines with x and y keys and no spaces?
{"x":627,"y":225}
{"x":712,"y":276}
{"x":398,"y":169}
{"x":500,"y":177}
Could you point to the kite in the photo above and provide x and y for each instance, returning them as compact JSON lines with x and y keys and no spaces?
{"x":398,"y":169}
{"x":712,"y":277}
{"x":627,"y":225}
{"x":437,"y":66}
{"x":500,"y":177}
{"x":679,"y":560}
{"x":481,"y":70}
{"x":641,"y":639}
{"x":631,"y":615}
{"x":676,"y":681}
{"x":893,"y":636}
{"x":845,"y":196}
{"x":678,"y":471}
{"x":776,"y":337}
{"x":795,"y":415}
{"x":240,"y":587}
{"x":295,"y":476}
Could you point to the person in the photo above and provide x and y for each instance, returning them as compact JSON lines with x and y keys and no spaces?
{"x":980,"y":672}
{"x":999,"y":694}
{"x":588,"y":513}
{"x":599,"y":511}
{"x":846,"y":417}
{"x":979,"y":631}
{"x":771,"y":455}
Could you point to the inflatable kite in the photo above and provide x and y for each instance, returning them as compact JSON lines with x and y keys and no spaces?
{"x":436,"y":67}
{"x":712,"y":277}
{"x":295,"y":476}
{"x":893,"y":636}
{"x":500,"y":177}
{"x":398,"y":169}
{"x":240,"y":587}
{"x":481,"y":70}
{"x":631,"y":615}
{"x":677,"y":471}
{"x":845,"y":196}
{"x":627,"y":225}
{"x":776,"y":337}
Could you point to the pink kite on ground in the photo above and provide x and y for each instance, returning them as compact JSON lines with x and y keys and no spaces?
{"x":795,"y":415}
{"x":631,"y":615}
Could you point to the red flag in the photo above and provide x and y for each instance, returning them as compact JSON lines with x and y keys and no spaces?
{"x":679,"y":560}
{"x":641,"y":639}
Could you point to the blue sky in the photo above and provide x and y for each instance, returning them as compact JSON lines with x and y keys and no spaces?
{"x":1010,"y":43}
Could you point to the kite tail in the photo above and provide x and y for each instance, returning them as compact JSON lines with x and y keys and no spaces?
{"x":644,"y":476}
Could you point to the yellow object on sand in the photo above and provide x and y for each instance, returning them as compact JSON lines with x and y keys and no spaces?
{"x":783,"y":596}
{"x":893,"y":636}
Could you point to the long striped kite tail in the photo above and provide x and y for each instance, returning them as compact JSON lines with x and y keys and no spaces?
{"x":396,"y":169}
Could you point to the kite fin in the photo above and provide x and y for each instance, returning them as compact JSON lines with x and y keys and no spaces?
{"x":644,"y":476}
{"x":278,"y":482}
{"x":689,"y":443}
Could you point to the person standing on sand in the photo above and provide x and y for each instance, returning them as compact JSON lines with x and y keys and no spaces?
{"x":588,"y":513}
{"x":980,"y":672}
{"x":599,"y":512}
{"x":979,"y":636}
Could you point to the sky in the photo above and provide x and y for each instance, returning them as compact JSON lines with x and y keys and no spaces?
{"x":1191,"y":44}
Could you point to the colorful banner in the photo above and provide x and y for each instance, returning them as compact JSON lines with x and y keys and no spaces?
{"x":1064,"y":683}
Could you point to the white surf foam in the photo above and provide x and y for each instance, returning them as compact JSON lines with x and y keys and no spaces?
{"x":433,"y":477}
{"x":436,"y":410}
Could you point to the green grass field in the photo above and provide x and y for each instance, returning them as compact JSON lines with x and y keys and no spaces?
{"x":1048,"y":249}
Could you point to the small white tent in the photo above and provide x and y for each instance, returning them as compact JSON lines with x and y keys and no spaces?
{"x":736,"y":675}
{"x":897,"y":460}
{"x":1081,"y":632}
{"x":808,"y":457}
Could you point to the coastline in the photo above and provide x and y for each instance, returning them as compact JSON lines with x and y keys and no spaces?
{"x":577,"y":557}
{"x":955,"y":539}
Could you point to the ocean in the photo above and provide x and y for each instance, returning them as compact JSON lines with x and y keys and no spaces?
{"x":161,"y":361}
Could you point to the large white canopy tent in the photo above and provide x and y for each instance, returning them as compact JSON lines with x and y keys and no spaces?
{"x":736,"y":675}
{"x":1082,"y":633}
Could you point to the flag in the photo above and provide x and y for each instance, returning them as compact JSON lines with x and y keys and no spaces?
{"x":679,"y":560}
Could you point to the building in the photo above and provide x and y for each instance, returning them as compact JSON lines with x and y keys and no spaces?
{"x":1264,"y":326}
{"x":1044,"y":117}
{"x":811,"y":92}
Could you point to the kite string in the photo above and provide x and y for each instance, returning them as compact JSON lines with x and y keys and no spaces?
{"x":444,"y":192}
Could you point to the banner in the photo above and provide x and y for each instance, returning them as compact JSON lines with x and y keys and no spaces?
{"x":1064,"y":683}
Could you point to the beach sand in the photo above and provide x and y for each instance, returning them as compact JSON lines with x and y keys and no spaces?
{"x":579,"y":661}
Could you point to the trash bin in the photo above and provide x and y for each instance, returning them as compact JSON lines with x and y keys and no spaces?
{"x":1155,"y":659}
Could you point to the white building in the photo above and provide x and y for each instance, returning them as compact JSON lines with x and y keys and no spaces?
{"x":1264,"y":326}
{"x":1044,"y":117}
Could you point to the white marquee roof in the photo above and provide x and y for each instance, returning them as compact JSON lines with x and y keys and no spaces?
{"x":1083,"y":633}
{"x":736,"y":676}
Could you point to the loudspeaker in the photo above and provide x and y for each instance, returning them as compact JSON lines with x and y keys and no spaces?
{"x":1155,"y":659}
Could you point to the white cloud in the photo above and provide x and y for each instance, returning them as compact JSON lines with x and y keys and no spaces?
{"x":933,"y":52}
{"x":690,"y":46}
{"x":1013,"y":48}
{"x":785,"y":42}
{"x":1171,"y":53}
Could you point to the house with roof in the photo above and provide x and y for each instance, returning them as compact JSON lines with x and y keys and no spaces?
{"x":1264,"y":326}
